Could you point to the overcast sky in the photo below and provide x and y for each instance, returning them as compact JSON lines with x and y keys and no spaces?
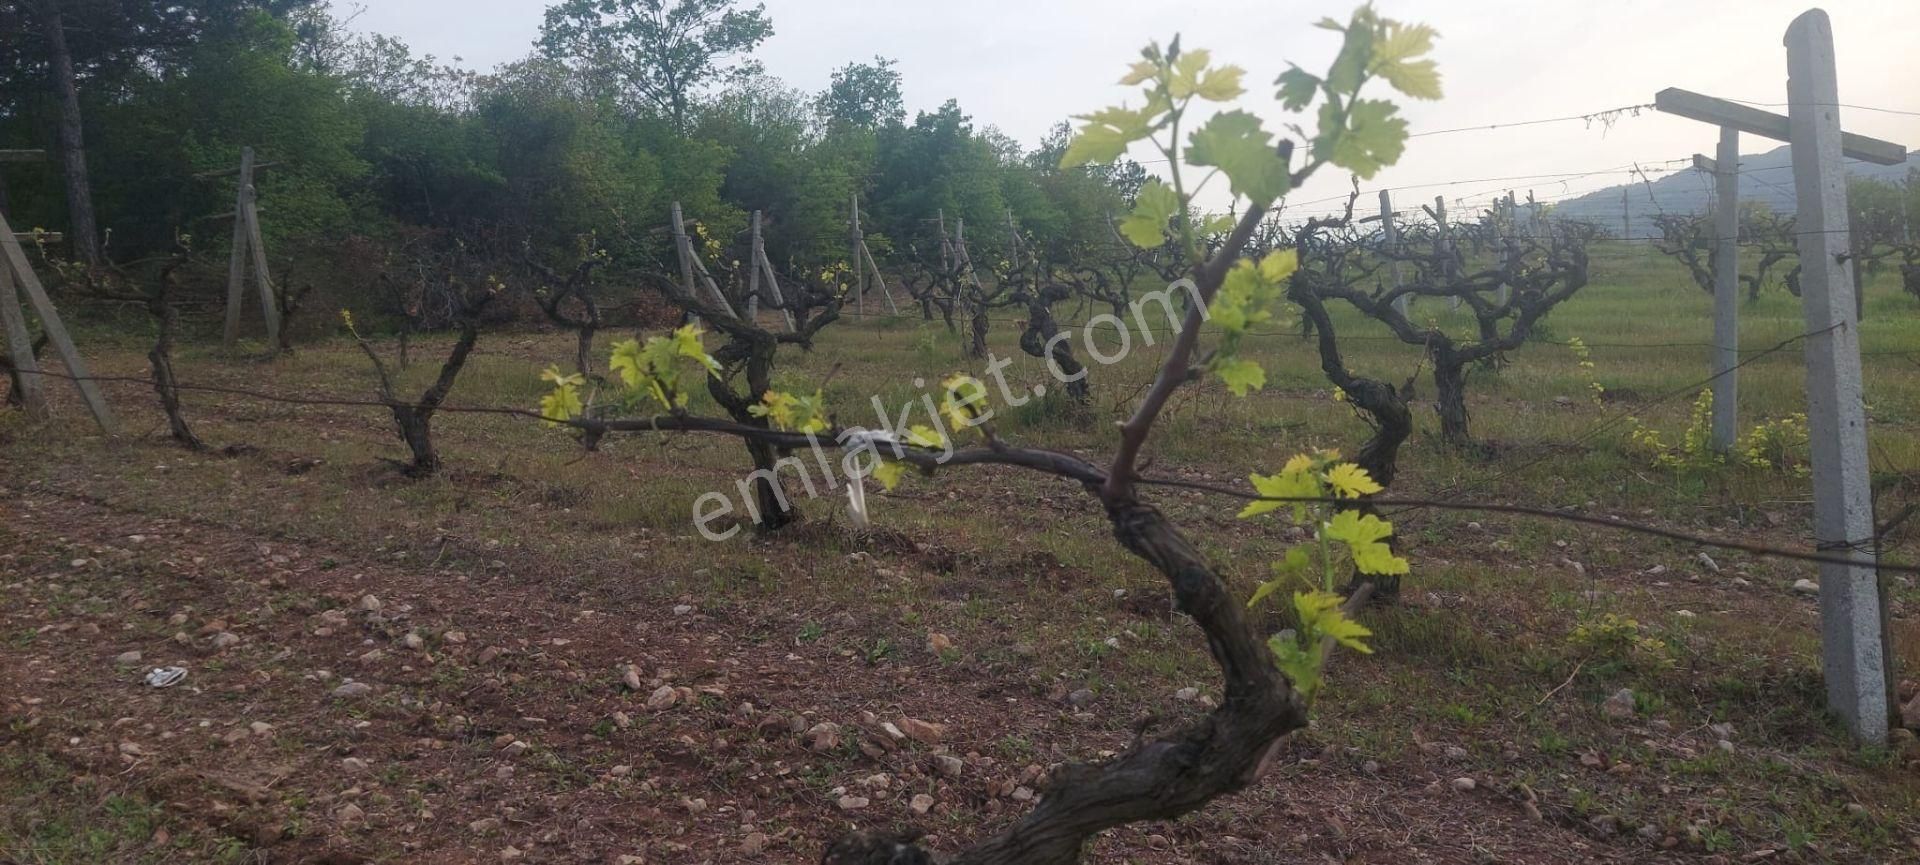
{"x":1023,"y":65}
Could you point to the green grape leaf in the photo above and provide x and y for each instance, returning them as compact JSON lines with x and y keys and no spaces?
{"x":1146,"y":226}
{"x":1240,"y":375}
{"x":888,"y":473}
{"x":1301,"y":666}
{"x":1140,"y":72}
{"x":1320,"y":616}
{"x":1220,"y":85}
{"x":1234,"y":142}
{"x":1394,"y":49}
{"x":1106,"y":134}
{"x":1285,"y":485}
{"x":1351,"y":481}
{"x":1297,"y":88}
{"x":1279,"y":264}
{"x":1373,"y":138}
{"x":627,"y":362}
{"x":1363,"y":533}
{"x":1285,"y":571}
{"x":921,"y":435}
{"x":1187,"y":69}
{"x":965,"y":400}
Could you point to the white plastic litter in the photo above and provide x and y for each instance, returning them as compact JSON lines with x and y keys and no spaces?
{"x":166,"y":677}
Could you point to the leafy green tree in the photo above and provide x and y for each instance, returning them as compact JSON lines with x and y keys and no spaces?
{"x":864,"y":95}
{"x":663,"y":51}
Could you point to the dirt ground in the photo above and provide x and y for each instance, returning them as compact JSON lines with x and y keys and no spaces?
{"x":529,"y":659}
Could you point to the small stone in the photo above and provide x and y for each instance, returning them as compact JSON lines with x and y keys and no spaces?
{"x":1605,"y":824}
{"x":1707,"y":562}
{"x":353,"y":689}
{"x":754,"y":844}
{"x":1857,"y":810}
{"x":682,"y":609}
{"x":922,"y":731}
{"x":852,"y":803}
{"x":1080,"y":698}
{"x":260,"y":728}
{"x":353,"y":764}
{"x":622,"y":720}
{"x":225,"y":640}
{"x":1370,"y":767}
{"x":515,"y":748}
{"x":349,"y":813}
{"x":1724,"y":745}
{"x":1806,"y":587}
{"x":484,"y":826}
{"x":938,"y":643}
{"x":413,"y":641}
{"x":1620,"y":706}
{"x":630,"y":677}
{"x":949,"y":765}
{"x":620,"y":771}
{"x":1684,"y":614}
{"x":455,"y":637}
{"x":1464,"y":784}
{"x":127,"y":659}
{"x":1187,"y":695}
{"x":374,"y":657}
{"x":921,"y":803}
{"x":1455,"y":752}
{"x":370,"y":603}
{"x":1023,"y":793}
{"x":511,"y":854}
{"x":824,"y":736}
{"x":1157,"y":842}
{"x":663,"y":698}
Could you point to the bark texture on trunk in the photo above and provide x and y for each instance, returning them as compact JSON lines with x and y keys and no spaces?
{"x":84,"y":234}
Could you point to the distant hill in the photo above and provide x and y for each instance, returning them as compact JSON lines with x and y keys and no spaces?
{"x":1766,"y":178}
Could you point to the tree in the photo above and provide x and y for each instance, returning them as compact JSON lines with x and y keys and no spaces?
{"x":665,"y":51}
{"x":1268,"y":684}
{"x":864,"y":96}
{"x":68,"y":46}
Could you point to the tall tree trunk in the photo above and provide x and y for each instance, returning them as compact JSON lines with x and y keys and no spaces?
{"x":73,"y":148}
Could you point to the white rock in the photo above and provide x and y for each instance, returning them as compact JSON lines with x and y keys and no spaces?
{"x":127,"y":659}
{"x":921,"y":804}
{"x":353,"y":689}
{"x":1620,"y":706}
{"x":1806,"y":587}
{"x":1464,"y":784}
{"x":852,"y":803}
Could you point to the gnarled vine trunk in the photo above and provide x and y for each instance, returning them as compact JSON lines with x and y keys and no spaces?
{"x":1158,"y":779}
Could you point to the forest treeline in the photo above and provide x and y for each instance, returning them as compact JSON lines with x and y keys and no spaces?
{"x":383,"y":164}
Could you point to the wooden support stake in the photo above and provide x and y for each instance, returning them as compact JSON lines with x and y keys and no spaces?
{"x":1726,"y":291}
{"x":237,"y":259}
{"x":269,"y":305}
{"x":1851,"y":648}
{"x":853,"y":253}
{"x":878,"y":279}
{"x":20,"y":344}
{"x":780,"y":297}
{"x":56,"y":332}
{"x":1392,"y":236}
{"x":753,"y":272}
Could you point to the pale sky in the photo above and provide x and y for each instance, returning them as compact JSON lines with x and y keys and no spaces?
{"x":1023,"y":65}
